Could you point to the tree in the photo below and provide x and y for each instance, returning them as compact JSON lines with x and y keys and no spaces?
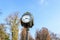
{"x":54,"y":36}
{"x":14,"y":22}
{"x":23,"y":35}
{"x":3,"y":35}
{"x":43,"y":34}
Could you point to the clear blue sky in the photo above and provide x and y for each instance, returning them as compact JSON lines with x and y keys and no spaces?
{"x":46,"y":12}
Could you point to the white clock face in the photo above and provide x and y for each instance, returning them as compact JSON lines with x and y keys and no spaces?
{"x":26,"y":18}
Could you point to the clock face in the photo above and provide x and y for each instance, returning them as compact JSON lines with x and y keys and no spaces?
{"x":26,"y":18}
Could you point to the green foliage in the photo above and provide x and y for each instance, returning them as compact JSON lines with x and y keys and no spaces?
{"x":14,"y":22}
{"x":3,"y":35}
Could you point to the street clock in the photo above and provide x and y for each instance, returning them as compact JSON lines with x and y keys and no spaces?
{"x":27,"y":20}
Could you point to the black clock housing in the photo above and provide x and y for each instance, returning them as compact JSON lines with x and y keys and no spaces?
{"x":28,"y":24}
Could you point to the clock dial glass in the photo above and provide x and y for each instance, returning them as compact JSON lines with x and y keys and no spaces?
{"x":26,"y":18}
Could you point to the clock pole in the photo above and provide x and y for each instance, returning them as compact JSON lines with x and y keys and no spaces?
{"x":27,"y":34}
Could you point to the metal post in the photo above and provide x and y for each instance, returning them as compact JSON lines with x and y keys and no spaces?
{"x":27,"y":29}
